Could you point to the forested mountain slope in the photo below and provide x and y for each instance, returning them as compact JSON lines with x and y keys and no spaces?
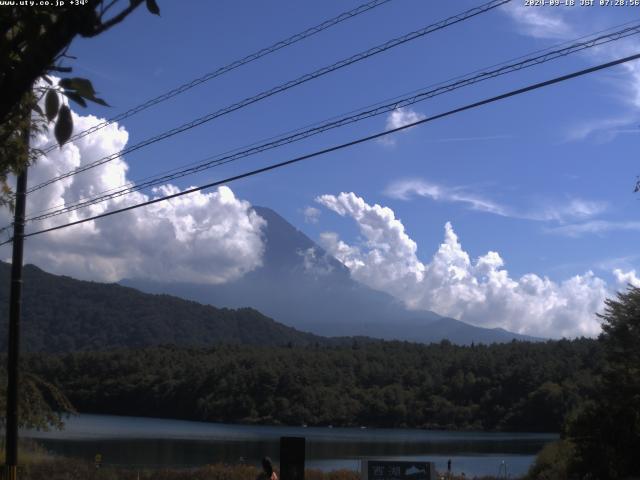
{"x":61,"y":314}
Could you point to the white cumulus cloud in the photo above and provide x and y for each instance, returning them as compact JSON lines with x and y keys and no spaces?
{"x":480,"y":291}
{"x":627,"y":278}
{"x":388,"y":259}
{"x":202,"y":237}
{"x":399,"y":118}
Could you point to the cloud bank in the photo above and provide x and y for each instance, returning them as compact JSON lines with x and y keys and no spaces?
{"x":202,"y":237}
{"x":480,"y":292}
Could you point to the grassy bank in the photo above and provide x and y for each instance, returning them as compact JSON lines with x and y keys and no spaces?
{"x":60,"y":468}
{"x":30,"y":452}
{"x":38,"y":464}
{"x":70,"y":469}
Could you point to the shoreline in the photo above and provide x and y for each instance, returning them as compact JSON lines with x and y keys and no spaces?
{"x":311,"y":427}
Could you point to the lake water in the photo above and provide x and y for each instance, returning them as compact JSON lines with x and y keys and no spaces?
{"x":150,"y":442}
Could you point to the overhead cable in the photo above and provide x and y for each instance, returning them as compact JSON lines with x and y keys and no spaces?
{"x":368,"y":112}
{"x":283,"y":87}
{"x":342,"y":146}
{"x":365,"y":7}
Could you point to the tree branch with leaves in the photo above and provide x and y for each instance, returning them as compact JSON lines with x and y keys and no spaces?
{"x":34,"y":42}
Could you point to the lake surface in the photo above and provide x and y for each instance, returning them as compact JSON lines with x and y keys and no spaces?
{"x":150,"y":442}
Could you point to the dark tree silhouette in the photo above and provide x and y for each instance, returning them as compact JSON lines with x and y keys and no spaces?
{"x":606,"y":430}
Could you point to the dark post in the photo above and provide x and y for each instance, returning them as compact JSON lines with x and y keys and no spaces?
{"x":15,"y":301}
{"x":292,"y":453}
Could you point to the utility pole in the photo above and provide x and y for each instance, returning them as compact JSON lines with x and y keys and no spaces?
{"x":15,"y":303}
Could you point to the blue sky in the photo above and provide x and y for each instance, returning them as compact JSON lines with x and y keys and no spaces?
{"x":544,"y":179}
{"x":524,"y":155}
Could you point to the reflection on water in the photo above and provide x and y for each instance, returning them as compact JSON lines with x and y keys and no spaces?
{"x":147,"y":442}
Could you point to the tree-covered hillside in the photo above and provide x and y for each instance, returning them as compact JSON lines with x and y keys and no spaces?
{"x":514,"y":386}
{"x":61,"y":314}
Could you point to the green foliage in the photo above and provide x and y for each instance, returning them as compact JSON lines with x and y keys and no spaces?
{"x":552,"y":463}
{"x":51,"y":104}
{"x":33,"y":44}
{"x":383,"y":384}
{"x":270,"y":373}
{"x":152,"y":6}
{"x":77,"y":89}
{"x":13,"y":154}
{"x":80,"y":89}
{"x":31,"y":452}
{"x":546,"y":406}
{"x":41,"y":404}
{"x":606,"y":428}
{"x":64,"y":125}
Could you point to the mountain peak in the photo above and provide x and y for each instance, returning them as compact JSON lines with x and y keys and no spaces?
{"x":301,"y":285}
{"x":288,"y":249}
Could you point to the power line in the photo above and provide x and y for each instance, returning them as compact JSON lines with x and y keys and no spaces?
{"x":550,"y":54}
{"x":378,"y":109}
{"x":550,"y":49}
{"x":365,"y":7}
{"x":398,"y":102}
{"x":285,"y":86}
{"x":358,"y":141}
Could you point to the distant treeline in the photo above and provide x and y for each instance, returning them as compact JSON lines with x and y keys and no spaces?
{"x":517,"y":386}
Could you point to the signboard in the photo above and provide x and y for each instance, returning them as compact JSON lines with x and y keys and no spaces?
{"x":292,"y":453}
{"x":397,"y":470}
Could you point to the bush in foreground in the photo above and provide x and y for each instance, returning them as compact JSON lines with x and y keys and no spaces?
{"x":553,"y":462}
